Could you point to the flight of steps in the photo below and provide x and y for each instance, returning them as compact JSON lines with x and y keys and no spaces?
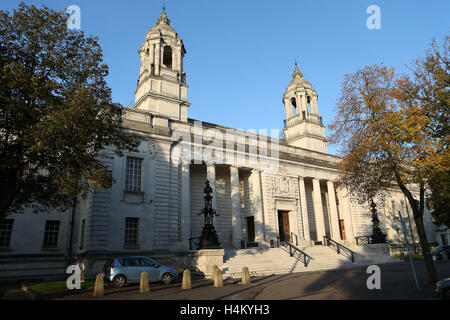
{"x":263,"y":262}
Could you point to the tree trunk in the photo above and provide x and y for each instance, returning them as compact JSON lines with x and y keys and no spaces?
{"x":428,"y":258}
{"x":418,"y":209}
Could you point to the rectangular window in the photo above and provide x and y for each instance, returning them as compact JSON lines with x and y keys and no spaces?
{"x":51,"y":234}
{"x":6,"y":226}
{"x":83,"y":222}
{"x":133,"y":174}
{"x":131,"y":232}
{"x":444,"y":239}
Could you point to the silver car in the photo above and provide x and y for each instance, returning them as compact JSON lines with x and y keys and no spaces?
{"x":122,"y":270}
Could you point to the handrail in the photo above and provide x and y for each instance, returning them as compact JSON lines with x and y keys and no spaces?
{"x":340,"y":249}
{"x":362,"y":240}
{"x":193,"y":243}
{"x":296,"y":252}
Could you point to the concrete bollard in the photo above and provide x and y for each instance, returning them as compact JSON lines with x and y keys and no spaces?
{"x":186,"y":284}
{"x":214,"y":272}
{"x":245,"y":276}
{"x":218,"y":279}
{"x":99,"y":288}
{"x":144,"y":286}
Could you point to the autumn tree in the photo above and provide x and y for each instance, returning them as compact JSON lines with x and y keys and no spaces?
{"x":56,"y":113}
{"x":388,"y":130}
{"x":432,"y":81}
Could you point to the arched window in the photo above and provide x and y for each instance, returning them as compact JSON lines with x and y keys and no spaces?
{"x":308,"y":101}
{"x":294,"y":106}
{"x":167,"y":57}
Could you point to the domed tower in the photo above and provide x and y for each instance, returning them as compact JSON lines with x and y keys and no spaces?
{"x":162,"y":86}
{"x":303,"y":125}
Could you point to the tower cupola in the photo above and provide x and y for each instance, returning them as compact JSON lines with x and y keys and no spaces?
{"x":161,"y":86}
{"x":303,"y":125}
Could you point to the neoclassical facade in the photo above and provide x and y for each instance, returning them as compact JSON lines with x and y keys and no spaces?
{"x":264,"y":187}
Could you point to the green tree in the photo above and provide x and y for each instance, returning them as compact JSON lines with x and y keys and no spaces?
{"x":56,"y":113}
{"x":390,"y":134}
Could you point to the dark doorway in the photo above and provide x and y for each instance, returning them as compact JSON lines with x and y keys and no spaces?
{"x":251,"y":229}
{"x":283,"y":225}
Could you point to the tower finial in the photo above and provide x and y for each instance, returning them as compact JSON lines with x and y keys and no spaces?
{"x":297,"y":72}
{"x":164,"y":6}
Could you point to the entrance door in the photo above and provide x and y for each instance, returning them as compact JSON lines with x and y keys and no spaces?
{"x":251,"y":229}
{"x":342,"y":229}
{"x":283,"y":224}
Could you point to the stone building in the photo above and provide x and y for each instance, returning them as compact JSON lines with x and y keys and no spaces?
{"x":264,"y":188}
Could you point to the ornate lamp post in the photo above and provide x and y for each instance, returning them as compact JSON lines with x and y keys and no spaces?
{"x":377,"y":235}
{"x":208,"y":238}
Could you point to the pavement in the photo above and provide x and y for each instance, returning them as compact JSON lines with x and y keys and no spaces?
{"x":397,"y":282}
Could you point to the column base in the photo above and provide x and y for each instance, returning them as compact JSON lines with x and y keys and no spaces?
{"x":206,"y":258}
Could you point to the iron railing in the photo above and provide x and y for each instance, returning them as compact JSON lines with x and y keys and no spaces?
{"x":193,"y":243}
{"x":294,"y":251}
{"x":339,"y":248}
{"x":293,"y":235}
{"x":363,"y":240}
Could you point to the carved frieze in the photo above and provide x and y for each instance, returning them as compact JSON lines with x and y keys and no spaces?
{"x":283,"y":186}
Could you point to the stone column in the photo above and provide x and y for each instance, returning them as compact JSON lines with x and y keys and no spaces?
{"x":318,"y":210}
{"x":157,"y":58}
{"x":335,"y":233}
{"x":288,"y":107}
{"x":314,"y":108}
{"x":304,"y":104}
{"x":258,"y":206}
{"x":236,"y":223}
{"x":152,"y":57}
{"x":211,"y":176}
{"x":347,"y":213}
{"x":185,"y":206}
{"x":304,"y":206}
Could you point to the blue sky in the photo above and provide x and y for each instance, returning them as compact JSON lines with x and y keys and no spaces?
{"x":240,"y":54}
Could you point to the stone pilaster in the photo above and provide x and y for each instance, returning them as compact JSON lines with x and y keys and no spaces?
{"x":304,"y":207}
{"x":185,"y":206}
{"x":258,"y":206}
{"x":236,"y":223}
{"x":318,"y":210}
{"x":335,"y":233}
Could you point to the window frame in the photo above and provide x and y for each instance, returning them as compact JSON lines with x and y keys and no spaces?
{"x":6,"y":234}
{"x":53,"y":233}
{"x":127,"y":235}
{"x":126,"y":175}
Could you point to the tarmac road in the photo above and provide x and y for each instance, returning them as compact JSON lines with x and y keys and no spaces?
{"x":397,"y":282}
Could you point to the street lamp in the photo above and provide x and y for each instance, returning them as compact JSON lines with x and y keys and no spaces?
{"x":208,"y":238}
{"x":377,"y":235}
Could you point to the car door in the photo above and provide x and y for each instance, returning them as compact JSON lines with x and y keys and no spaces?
{"x":132,"y":270}
{"x":150,"y":266}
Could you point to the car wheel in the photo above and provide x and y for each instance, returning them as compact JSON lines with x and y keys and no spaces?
{"x":166,"y":278}
{"x":119,"y":281}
